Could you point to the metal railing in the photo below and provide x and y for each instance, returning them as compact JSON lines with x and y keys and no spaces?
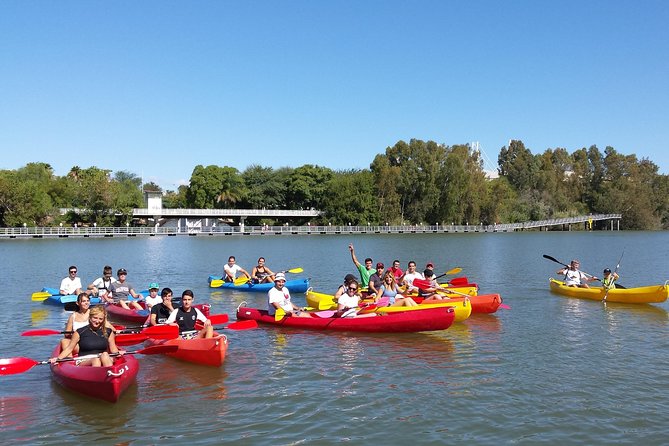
{"x":130,"y":231}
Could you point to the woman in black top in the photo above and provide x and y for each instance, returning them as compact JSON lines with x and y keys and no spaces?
{"x":93,"y":339}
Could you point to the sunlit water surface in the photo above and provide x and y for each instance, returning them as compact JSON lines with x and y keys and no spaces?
{"x":550,"y":370}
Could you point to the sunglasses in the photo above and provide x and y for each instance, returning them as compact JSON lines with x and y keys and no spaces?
{"x":73,"y":272}
{"x":353,"y":289}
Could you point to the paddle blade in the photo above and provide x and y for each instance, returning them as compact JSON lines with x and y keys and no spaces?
{"x":13,"y":366}
{"x":453,"y":271}
{"x":295,"y":270}
{"x":130,"y":338}
{"x":216,"y":283}
{"x":545,"y":256}
{"x":371,"y":308}
{"x":240,"y":281}
{"x":458,"y":281}
{"x":280,"y":314}
{"x":218,"y":318}
{"x":40,"y":296}
{"x":324,"y":314}
{"x":505,"y":306}
{"x":43,"y":332}
{"x":325,"y":304}
{"x":242,"y":325}
{"x":161,"y":332}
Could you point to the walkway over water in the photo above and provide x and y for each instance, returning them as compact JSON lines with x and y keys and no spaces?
{"x":583,"y":222}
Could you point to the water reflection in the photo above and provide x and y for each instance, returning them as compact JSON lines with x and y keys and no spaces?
{"x":16,"y":412}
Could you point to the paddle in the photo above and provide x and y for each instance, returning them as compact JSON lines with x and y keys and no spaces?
{"x":40,"y":296}
{"x":458,"y":281}
{"x":449,"y":272}
{"x":12,"y":366}
{"x":567,"y":266}
{"x":239,"y":325}
{"x":612,"y":276}
{"x":589,"y":275}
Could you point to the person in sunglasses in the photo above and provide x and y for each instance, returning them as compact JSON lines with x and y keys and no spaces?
{"x":349,"y":302}
{"x":71,"y":284}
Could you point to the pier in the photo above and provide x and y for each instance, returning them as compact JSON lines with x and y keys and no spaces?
{"x":584,"y":222}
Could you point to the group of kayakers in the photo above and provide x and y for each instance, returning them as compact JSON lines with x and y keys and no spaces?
{"x":574,"y":277}
{"x":88,"y":331}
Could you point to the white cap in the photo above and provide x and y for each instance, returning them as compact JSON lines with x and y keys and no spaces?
{"x":279,"y":276}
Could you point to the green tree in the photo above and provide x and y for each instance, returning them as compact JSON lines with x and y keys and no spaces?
{"x":305,"y":188}
{"x":264,"y":188}
{"x":350,"y":198}
{"x":214,"y":187}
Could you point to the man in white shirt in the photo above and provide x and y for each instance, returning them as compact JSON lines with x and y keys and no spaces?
{"x":71,"y":284}
{"x":231,"y":269}
{"x":410,"y":275}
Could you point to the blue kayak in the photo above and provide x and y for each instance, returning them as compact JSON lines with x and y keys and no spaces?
{"x":294,"y":286}
{"x":60,"y":299}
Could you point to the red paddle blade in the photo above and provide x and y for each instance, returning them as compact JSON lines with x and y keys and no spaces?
{"x":505,"y":306}
{"x":242,"y":325}
{"x":422,"y":283}
{"x":130,"y":338}
{"x":13,"y":366}
{"x":43,"y":332}
{"x":218,"y":318}
{"x":367,"y":309}
{"x":161,"y":332}
{"x":457,"y":281}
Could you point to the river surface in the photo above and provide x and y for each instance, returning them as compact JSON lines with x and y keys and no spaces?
{"x":551,"y":370}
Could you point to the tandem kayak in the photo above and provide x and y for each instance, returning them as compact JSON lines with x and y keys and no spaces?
{"x":56,"y":298}
{"x":639,"y":295}
{"x":321,"y":301}
{"x":294,"y":286}
{"x":405,"y":322}
{"x":105,"y":383}
{"x":203,"y":351}
{"x":116,"y":311}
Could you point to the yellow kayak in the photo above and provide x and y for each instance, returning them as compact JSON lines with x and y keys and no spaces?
{"x":462,"y":307}
{"x":639,"y":295}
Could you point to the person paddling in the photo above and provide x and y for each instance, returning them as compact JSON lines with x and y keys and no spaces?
{"x":95,"y":338}
{"x":574,"y":277}
{"x":186,"y":316}
{"x":609,"y":279}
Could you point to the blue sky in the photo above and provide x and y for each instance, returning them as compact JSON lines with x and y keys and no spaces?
{"x":158,"y":87}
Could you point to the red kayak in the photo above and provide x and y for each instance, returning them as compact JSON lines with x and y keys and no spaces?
{"x":105,"y":383}
{"x":116,"y":311}
{"x":410,"y":321}
{"x":203,"y":351}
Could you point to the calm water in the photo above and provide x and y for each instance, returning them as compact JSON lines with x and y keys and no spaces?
{"x":550,"y":370}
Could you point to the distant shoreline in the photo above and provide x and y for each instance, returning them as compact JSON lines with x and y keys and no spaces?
{"x":566,"y":224}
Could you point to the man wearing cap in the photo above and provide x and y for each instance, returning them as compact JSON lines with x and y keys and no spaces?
{"x":120,"y":290}
{"x":376,"y":280}
{"x":153,"y":298}
{"x":365,"y":270}
{"x":609,"y":279}
{"x":279,"y":297}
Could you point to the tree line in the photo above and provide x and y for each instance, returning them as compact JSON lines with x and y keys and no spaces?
{"x":415,"y":182}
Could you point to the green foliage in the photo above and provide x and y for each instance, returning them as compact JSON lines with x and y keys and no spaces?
{"x":415,"y":182}
{"x":350,"y":198}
